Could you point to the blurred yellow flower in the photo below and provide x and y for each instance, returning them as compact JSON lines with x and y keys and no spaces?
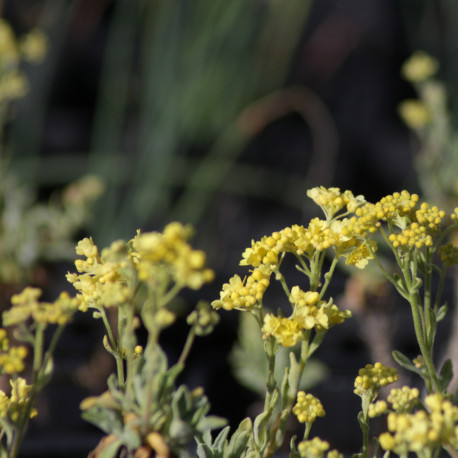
{"x":414,"y":113}
{"x":419,"y":67}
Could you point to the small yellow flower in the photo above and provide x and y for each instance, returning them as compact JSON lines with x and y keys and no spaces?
{"x":314,"y":448}
{"x":286,"y":331}
{"x":372,"y":377}
{"x":11,"y":358}
{"x":403,"y":399}
{"x":377,"y":409}
{"x":414,"y":113}
{"x":34,"y":46}
{"x":307,"y":408}
{"x":419,"y":67}
{"x":244,"y":294}
{"x":448,"y":254}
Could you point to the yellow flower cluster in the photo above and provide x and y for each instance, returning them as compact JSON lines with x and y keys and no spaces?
{"x":318,"y":236}
{"x":414,"y":113}
{"x":32,"y":48}
{"x":332,"y":201}
{"x":244,"y":294}
{"x":403,"y":399}
{"x":316,"y":448}
{"x":420,"y":232}
{"x":102,"y":281}
{"x":449,"y":254}
{"x":307,"y":408}
{"x":419,"y":67}
{"x":390,"y":208}
{"x":372,"y":377}
{"x":11,"y":358}
{"x":310,"y":312}
{"x":25,"y":305}
{"x":377,"y":408}
{"x":396,"y":205}
{"x":170,"y":249}
{"x":11,"y":406}
{"x":422,"y":430}
{"x":107,"y":279}
{"x":267,"y":250}
{"x":286,"y":331}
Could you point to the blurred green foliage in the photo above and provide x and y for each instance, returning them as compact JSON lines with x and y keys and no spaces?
{"x":176,"y":77}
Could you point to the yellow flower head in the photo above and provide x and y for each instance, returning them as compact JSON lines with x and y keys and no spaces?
{"x":396,"y":206}
{"x":448,"y":254}
{"x":403,"y":399}
{"x":286,"y":331}
{"x":310,"y":312}
{"x":314,"y":448}
{"x":26,"y":305}
{"x":11,"y":358}
{"x":244,"y":294}
{"x":414,"y":113}
{"x":359,"y":255}
{"x":419,"y":67}
{"x":372,"y":377}
{"x":307,"y":408}
{"x":170,"y":251}
{"x":13,"y":405}
{"x":378,"y":408}
{"x":34,"y":46}
{"x":425,"y":225}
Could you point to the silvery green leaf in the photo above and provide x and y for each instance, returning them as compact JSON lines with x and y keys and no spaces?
{"x":446,"y":375}
{"x":105,"y":419}
{"x":442,"y":312}
{"x":406,"y":363}
{"x":221,"y":439}
{"x":46,"y":375}
{"x":131,"y":438}
{"x":211,"y":422}
{"x":111,"y":450}
{"x":237,"y":445}
{"x":204,"y":451}
{"x":431,"y":330}
{"x":257,"y":422}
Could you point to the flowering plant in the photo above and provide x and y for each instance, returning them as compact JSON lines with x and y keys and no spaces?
{"x":144,"y":413}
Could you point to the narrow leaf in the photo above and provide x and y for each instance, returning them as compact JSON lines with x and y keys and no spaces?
{"x":442,"y":312}
{"x":446,"y":374}
{"x":406,"y":363}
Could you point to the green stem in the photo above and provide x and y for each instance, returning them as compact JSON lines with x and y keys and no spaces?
{"x":328,"y":277}
{"x":425,"y":351}
{"x":402,"y":291}
{"x":440,"y":287}
{"x":167,"y":297}
{"x":365,"y":428}
{"x":305,"y":269}
{"x":110,"y":334}
{"x":115,"y":347}
{"x":130,"y":351}
{"x":282,"y":281}
{"x":277,"y":433}
{"x":316,"y":263}
{"x":187,"y":347}
{"x":53,"y":344}
{"x":25,"y":414}
{"x":308,"y":427}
